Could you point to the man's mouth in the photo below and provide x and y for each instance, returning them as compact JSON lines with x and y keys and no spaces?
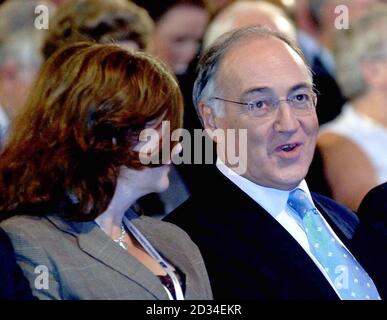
{"x":289,"y":150}
{"x":288,"y":147}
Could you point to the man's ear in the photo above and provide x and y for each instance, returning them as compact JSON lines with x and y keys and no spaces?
{"x":207,"y":115}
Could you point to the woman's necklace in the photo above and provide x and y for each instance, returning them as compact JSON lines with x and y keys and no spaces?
{"x":121,"y":239}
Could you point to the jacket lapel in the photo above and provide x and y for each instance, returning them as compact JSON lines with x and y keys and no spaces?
{"x":172,"y":252}
{"x":341,"y":219}
{"x":285,"y":260}
{"x":93,"y":241}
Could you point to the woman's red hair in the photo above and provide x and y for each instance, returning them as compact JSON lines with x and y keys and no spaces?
{"x":82,"y":119}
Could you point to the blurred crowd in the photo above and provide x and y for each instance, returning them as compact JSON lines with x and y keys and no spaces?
{"x":344,"y":42}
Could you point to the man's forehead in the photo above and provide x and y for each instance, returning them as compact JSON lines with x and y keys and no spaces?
{"x":260,"y":47}
{"x":261,"y":57}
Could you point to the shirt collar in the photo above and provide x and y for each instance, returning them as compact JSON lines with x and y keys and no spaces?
{"x":272,"y":200}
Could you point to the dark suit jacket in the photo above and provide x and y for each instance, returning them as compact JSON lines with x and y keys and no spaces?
{"x":13,"y":284}
{"x":373,"y":216}
{"x":374,"y":207}
{"x":248,"y":254}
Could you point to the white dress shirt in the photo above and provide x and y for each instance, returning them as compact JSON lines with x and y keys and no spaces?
{"x":274,"y":201}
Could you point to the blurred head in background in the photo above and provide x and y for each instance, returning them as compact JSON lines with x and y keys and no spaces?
{"x":353,"y":145}
{"x":324,"y":16}
{"x":179,"y":27}
{"x":103,"y":21}
{"x":361,"y":55}
{"x":20,"y":57}
{"x":249,"y":13}
{"x":215,"y":6}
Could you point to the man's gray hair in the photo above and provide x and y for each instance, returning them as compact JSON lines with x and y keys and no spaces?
{"x":366,"y":40}
{"x":205,"y":86}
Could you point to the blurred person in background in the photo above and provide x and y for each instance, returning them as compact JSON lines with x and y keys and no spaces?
{"x":215,"y":6}
{"x":103,"y":21}
{"x":249,"y":13}
{"x":354,"y":144}
{"x":179,"y":27}
{"x":20,"y":60}
{"x":73,"y":169}
{"x":20,"y":57}
{"x":373,"y":214}
{"x":315,"y":20}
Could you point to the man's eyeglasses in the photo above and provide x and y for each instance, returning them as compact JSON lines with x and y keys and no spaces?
{"x":300,"y":103}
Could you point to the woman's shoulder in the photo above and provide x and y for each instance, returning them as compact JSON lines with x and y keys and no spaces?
{"x":26,"y":227}
{"x":21,"y":222}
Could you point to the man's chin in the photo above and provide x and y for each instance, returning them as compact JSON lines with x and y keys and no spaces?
{"x":291,"y":181}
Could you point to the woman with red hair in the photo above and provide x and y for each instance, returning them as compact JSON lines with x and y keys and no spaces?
{"x":72,"y":171}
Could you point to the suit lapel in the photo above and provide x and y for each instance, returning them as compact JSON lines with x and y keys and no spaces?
{"x":341,"y":219}
{"x":171,"y":251}
{"x":93,"y":241}
{"x":296,"y":272}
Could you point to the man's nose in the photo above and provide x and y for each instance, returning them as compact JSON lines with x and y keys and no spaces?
{"x":285,"y":120}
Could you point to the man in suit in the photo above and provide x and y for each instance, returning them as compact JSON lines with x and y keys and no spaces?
{"x":262,"y":234}
{"x":13,"y":285}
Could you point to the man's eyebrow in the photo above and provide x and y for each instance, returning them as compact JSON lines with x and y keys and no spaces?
{"x":299,"y":86}
{"x":256,"y":90}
